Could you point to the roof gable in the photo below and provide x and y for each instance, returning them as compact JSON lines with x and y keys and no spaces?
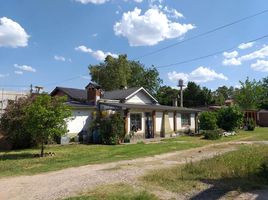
{"x":126,"y":94}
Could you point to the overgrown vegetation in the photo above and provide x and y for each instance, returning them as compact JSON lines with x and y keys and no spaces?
{"x":208,"y":121}
{"x":112,"y":129}
{"x":114,"y":192}
{"x":229,"y":118}
{"x":12,"y":124}
{"x":229,"y":172}
{"x":212,"y":134}
{"x":35,"y":120}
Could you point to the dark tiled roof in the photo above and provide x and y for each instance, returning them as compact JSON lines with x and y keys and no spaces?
{"x":73,"y":93}
{"x":81,"y":94}
{"x":151,"y":107}
{"x":119,"y":94}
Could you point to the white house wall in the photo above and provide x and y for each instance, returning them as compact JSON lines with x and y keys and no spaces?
{"x":79,"y":121}
{"x":179,"y":121}
{"x":140,"y":98}
{"x":171,"y":120}
{"x":192,"y":121}
{"x":158,"y":121}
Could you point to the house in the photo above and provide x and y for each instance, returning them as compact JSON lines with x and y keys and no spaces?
{"x":142,"y":112}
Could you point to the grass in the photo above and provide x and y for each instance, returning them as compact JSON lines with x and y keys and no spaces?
{"x":115,"y":192}
{"x":240,"y":170}
{"x":22,"y":162}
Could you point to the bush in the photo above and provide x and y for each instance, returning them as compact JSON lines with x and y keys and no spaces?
{"x":212,"y":134}
{"x":208,"y":121}
{"x":12,"y":125}
{"x":229,"y":118}
{"x":112,"y":129}
{"x":250,"y":125}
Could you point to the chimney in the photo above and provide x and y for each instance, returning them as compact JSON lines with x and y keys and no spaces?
{"x":93,"y":93}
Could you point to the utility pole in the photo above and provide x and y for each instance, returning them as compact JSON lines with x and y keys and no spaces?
{"x":180,"y":85}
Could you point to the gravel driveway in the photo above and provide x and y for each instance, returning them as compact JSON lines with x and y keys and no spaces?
{"x":71,"y":181}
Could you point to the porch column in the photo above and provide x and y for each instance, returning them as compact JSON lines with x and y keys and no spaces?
{"x":175,"y":121}
{"x":126,"y":113}
{"x":154,"y":122}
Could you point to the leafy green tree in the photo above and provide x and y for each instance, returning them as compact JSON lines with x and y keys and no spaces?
{"x":208,"y":121}
{"x":249,"y":95}
{"x":166,"y":95}
{"x":195,"y":96}
{"x":12,"y":124}
{"x":115,"y":73}
{"x":264,"y":95}
{"x":229,"y":118}
{"x":223,"y":93}
{"x":46,"y":117}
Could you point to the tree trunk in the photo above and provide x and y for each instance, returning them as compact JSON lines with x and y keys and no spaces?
{"x":42,"y":149}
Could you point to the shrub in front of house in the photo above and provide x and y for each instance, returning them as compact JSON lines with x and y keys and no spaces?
{"x":229,"y":118}
{"x":112,"y":129}
{"x":208,"y":121}
{"x":250,"y":125}
{"x":212,"y":134}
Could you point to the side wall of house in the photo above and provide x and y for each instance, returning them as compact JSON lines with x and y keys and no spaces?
{"x":79,"y":121}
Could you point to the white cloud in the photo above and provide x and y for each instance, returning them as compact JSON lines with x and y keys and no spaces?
{"x":246,"y":45}
{"x":199,"y":75}
{"x":149,"y":28}
{"x":4,"y":75}
{"x":173,"y":13}
{"x":92,"y":1}
{"x":25,"y":68}
{"x":12,"y":34}
{"x":258,"y":54}
{"x":231,"y":61}
{"x":59,"y":58}
{"x":18,"y":72}
{"x":232,"y":54}
{"x":94,"y":35}
{"x":98,"y":54}
{"x":260,"y":65}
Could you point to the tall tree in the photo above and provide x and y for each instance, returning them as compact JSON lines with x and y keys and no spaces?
{"x":195,"y":96}
{"x":264,"y":95}
{"x":115,"y":73}
{"x":166,"y":95}
{"x":249,"y":95}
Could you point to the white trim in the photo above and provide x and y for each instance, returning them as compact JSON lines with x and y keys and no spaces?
{"x":138,"y":90}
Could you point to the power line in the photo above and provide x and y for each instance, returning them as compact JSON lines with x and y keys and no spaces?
{"x":210,"y":55}
{"x":66,"y":80}
{"x":202,"y":34}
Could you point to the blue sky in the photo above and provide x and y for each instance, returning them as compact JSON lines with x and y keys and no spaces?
{"x":51,"y":43}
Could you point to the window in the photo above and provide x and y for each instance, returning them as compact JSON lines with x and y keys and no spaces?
{"x":135,"y":121}
{"x":185,"y":119}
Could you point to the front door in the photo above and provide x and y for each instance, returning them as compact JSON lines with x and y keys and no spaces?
{"x":149,"y":125}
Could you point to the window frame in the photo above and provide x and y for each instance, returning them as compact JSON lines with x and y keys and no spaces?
{"x":139,"y":127}
{"x":184,"y":117}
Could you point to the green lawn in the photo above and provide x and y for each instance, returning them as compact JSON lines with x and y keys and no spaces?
{"x":242,"y":170}
{"x":22,"y":162}
{"x":115,"y":192}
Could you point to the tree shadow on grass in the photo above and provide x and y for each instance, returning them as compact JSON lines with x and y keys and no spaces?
{"x":221,"y":187}
{"x":17,"y":156}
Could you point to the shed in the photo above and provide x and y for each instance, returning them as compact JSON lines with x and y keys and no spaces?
{"x":263,"y":118}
